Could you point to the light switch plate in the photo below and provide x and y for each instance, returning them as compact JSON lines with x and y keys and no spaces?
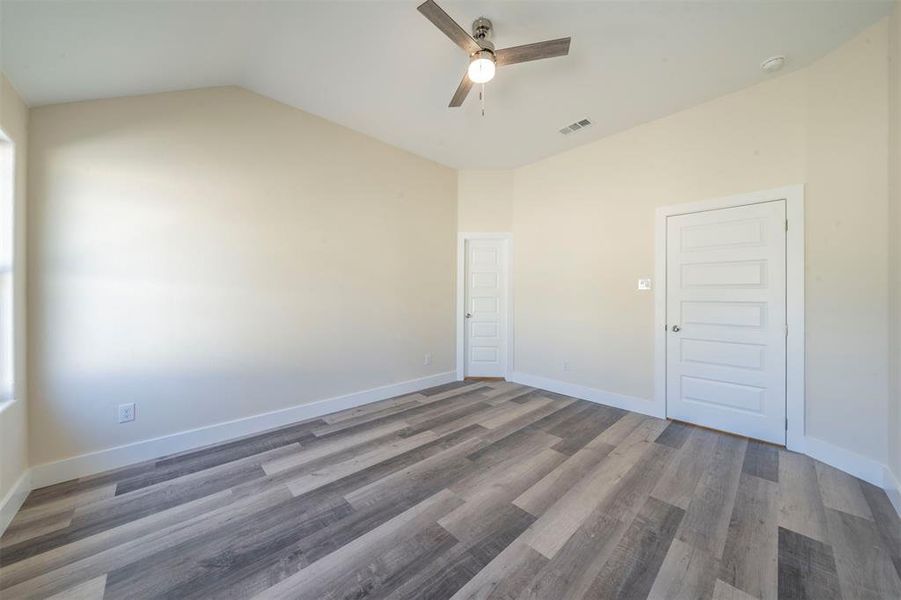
{"x":644,"y":284}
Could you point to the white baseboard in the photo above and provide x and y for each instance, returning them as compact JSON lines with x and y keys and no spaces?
{"x":120,"y":456}
{"x":869,"y":470}
{"x":112,"y":458}
{"x":893,"y":489}
{"x":13,"y":500}
{"x":864,"y":468}
{"x":633,"y":403}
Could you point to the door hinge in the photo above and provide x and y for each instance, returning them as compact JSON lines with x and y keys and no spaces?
{"x":786,"y":224}
{"x":786,"y":331}
{"x":786,"y":423}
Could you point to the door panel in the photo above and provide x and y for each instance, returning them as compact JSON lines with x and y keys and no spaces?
{"x":726,"y":297}
{"x":723,"y":354}
{"x":485,"y":304}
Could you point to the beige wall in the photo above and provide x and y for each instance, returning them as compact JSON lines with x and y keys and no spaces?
{"x":485,"y":201}
{"x":13,"y":417}
{"x":583,"y":231}
{"x":198,"y":252}
{"x":895,"y":237}
{"x":213,"y":254}
{"x":584,"y":227}
{"x":847,"y":245}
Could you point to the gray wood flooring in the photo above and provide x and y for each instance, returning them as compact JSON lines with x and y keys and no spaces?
{"x":467,"y":490}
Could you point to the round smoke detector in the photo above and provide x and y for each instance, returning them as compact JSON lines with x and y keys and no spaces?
{"x":772,"y":64}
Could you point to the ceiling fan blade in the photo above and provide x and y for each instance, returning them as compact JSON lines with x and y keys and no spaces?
{"x":536,"y":51}
{"x":462,"y":91}
{"x":451,"y":29}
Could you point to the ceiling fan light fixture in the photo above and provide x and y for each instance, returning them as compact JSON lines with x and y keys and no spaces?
{"x":482,"y":67}
{"x":483,"y":58}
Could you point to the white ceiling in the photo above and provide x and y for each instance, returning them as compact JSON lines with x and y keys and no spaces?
{"x":381,"y":68}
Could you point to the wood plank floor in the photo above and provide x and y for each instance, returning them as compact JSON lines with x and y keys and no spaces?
{"x":467,"y":490}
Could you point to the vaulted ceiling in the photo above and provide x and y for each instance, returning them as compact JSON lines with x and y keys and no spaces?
{"x":382,"y":69}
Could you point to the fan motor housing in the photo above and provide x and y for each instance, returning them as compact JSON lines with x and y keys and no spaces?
{"x":482,"y":31}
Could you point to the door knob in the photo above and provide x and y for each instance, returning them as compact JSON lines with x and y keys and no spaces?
{"x":676,"y":329}
{"x":468,"y":315}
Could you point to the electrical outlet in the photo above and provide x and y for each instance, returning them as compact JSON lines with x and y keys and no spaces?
{"x":427,"y":360}
{"x":126,"y":412}
{"x":644,"y":284}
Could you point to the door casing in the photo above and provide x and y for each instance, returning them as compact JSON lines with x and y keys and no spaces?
{"x":794,"y":371}
{"x":507,"y":239}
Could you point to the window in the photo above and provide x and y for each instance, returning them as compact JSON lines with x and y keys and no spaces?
{"x":6,"y":269}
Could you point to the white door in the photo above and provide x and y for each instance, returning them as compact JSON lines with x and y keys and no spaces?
{"x":725,"y":314}
{"x":485,"y":319}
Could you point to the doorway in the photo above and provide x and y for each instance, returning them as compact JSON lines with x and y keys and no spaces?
{"x":729,"y":313}
{"x":484,"y":328}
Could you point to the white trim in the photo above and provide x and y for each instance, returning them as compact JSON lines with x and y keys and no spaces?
{"x":794,"y":252}
{"x":95,"y":462}
{"x":795,"y":398}
{"x":13,"y":269}
{"x":6,"y":403}
{"x":120,"y":456}
{"x":14,"y":498}
{"x":871,"y":471}
{"x":462,"y":237}
{"x":584,"y":392}
{"x":893,"y":489}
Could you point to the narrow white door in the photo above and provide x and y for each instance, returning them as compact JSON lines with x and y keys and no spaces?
{"x":725,"y":314}
{"x":485,"y":318}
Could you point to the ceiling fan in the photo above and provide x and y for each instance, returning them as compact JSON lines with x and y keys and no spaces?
{"x":483,"y":58}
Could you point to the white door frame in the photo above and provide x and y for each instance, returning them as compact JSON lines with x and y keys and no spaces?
{"x":462,"y":238}
{"x":794,"y":275}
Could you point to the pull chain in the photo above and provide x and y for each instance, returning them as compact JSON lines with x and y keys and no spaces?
{"x":482,"y":98}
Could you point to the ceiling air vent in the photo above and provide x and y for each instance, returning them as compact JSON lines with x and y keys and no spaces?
{"x":572,"y":127}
